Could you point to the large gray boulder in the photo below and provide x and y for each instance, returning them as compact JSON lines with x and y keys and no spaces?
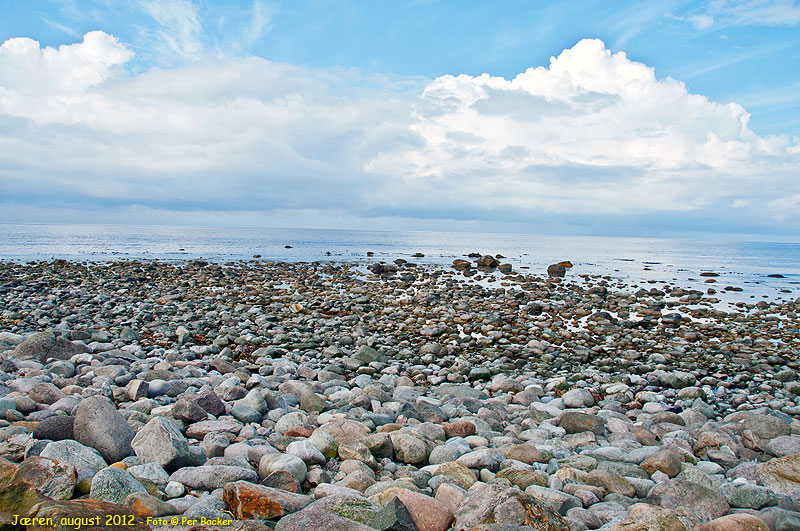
{"x":705,"y":503}
{"x":161,"y":441}
{"x":99,"y":425}
{"x":46,"y":345}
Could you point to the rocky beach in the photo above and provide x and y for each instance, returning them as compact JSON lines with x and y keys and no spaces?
{"x":331,"y":396}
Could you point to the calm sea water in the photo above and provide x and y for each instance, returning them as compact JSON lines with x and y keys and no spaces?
{"x":636,"y":261}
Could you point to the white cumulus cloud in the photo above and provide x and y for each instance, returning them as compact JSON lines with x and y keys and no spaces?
{"x":27,"y":67}
{"x":593,"y":132}
{"x":593,"y":137}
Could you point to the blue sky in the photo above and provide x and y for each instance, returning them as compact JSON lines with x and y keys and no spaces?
{"x":655,"y":118}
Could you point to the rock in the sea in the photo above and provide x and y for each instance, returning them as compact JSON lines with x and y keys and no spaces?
{"x":556,"y":270}
{"x":99,"y":425}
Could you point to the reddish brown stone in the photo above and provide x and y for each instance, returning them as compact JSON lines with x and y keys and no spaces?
{"x":664,"y":461}
{"x":299,"y":431}
{"x":736,"y":522}
{"x":146,"y":506}
{"x":527,"y":453}
{"x":461,"y":428}
{"x":428,"y":514}
{"x":250,"y":501}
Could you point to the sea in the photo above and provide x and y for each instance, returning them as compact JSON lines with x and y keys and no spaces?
{"x":763,"y":271}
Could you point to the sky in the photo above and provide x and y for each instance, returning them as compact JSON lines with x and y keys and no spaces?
{"x":658,"y":119}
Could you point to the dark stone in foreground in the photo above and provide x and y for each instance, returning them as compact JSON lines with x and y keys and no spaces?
{"x":55,"y":428}
{"x":394,"y":517}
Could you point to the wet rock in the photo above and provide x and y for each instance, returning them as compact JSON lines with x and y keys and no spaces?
{"x":556,"y":270}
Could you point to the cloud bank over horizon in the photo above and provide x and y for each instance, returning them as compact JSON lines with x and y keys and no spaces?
{"x":592,"y":143}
